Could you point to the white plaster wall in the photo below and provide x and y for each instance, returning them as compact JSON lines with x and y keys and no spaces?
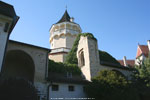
{"x":148,"y":44}
{"x":59,"y":38}
{"x":139,"y":60}
{"x":83,"y":45}
{"x":3,"y":36}
{"x":70,"y":40}
{"x":64,"y":93}
{"x":3,"y":40}
{"x":38,"y":55}
{"x":59,"y":42}
{"x":42,"y":89}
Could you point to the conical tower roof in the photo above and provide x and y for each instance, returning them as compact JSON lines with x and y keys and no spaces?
{"x":65,"y":18}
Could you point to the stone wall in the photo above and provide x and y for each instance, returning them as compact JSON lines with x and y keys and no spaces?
{"x":58,"y":57}
{"x":39,"y":56}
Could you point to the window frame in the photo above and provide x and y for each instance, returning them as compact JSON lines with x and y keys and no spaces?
{"x":71,"y":88}
{"x":55,"y":87}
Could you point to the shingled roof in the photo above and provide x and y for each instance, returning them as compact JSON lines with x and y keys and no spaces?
{"x":65,"y":18}
{"x":130,"y":63}
{"x":7,"y":10}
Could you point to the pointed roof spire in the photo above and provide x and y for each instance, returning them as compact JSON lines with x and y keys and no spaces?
{"x":65,"y":17}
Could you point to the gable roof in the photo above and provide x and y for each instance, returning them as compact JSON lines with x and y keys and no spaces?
{"x":142,"y":49}
{"x":65,"y":18}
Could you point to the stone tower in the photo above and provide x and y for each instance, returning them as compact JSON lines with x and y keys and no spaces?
{"x":8,"y":20}
{"x":88,"y":57}
{"x":62,"y":36}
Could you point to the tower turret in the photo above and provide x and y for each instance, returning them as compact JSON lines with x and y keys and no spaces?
{"x":62,"y":37}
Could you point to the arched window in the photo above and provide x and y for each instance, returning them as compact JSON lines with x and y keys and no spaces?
{"x":81,"y":58}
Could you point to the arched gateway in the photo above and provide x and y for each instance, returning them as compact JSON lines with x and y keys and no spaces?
{"x":18,"y":64}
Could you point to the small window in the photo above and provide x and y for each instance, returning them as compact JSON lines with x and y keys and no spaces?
{"x":6,"y":27}
{"x":70,"y":88}
{"x":69,"y":75}
{"x":55,"y":87}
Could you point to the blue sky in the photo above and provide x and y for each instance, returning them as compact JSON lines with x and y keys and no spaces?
{"x":119,"y":25}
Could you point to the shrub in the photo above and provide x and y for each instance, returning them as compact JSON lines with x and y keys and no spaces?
{"x":109,"y":85}
{"x":17,"y":89}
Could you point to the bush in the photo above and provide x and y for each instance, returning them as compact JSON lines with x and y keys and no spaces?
{"x":109,"y":85}
{"x":17,"y":89}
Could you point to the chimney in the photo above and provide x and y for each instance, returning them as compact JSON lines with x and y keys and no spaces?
{"x":124,"y":61}
{"x":148,"y":44}
{"x":72,"y":19}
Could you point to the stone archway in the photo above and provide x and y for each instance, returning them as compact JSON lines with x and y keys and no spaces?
{"x":18,"y":64}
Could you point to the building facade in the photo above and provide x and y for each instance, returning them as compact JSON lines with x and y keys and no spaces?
{"x":21,"y":60}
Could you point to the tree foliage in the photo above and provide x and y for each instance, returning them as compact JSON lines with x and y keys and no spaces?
{"x":141,"y":79}
{"x":144,"y":69}
{"x":109,"y":85}
{"x":17,"y":89}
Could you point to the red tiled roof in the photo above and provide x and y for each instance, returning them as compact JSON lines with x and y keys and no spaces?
{"x":129,"y":62}
{"x":142,"y":49}
{"x":121,"y":62}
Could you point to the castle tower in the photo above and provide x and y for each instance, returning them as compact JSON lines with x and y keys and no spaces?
{"x":8,"y":20}
{"x":62,"y":37}
{"x":88,"y":57}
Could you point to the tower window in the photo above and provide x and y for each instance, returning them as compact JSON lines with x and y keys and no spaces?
{"x":6,"y":27}
{"x":81,"y":59}
{"x":71,"y":88}
{"x":55,"y":87}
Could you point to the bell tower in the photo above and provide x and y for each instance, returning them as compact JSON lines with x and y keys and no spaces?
{"x":62,"y":36}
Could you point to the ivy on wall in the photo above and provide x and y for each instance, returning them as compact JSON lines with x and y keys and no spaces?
{"x":106,"y":57}
{"x":72,"y":58}
{"x":59,"y":67}
{"x":71,"y":62}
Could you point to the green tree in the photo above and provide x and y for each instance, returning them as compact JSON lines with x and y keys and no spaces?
{"x":17,"y":89}
{"x":141,"y":79}
{"x":144,"y":69}
{"x":109,"y":85}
